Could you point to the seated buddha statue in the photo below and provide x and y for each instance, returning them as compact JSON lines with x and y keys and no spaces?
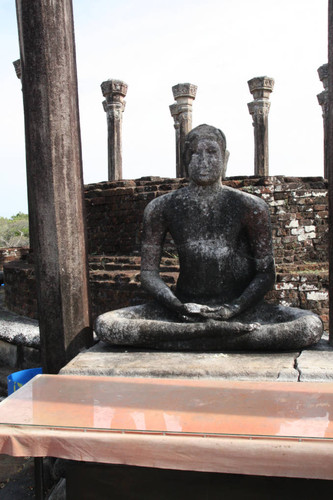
{"x":224,"y":243}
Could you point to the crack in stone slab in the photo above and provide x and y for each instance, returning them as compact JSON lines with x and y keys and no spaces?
{"x":296,"y":367}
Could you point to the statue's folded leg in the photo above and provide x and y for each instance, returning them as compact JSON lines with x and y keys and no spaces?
{"x":266,"y":327}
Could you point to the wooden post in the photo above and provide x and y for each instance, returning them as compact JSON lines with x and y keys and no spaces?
{"x":54,"y":170}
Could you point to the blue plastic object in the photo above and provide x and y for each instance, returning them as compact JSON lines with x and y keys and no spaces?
{"x":17,"y":379}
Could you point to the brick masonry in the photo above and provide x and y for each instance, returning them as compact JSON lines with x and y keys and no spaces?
{"x":10,"y":254}
{"x":298,"y":209}
{"x":299,"y":217}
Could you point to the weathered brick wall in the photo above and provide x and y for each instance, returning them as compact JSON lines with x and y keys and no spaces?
{"x":115,"y":209}
{"x":13,"y":253}
{"x":20,"y":288}
{"x":304,"y":286}
{"x":299,"y":214}
{"x":298,"y":209}
{"x":115,"y":283}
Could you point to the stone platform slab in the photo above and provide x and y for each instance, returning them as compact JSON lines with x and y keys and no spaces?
{"x":314,"y":364}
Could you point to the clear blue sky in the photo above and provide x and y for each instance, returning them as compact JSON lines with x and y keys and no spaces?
{"x":152,"y":45}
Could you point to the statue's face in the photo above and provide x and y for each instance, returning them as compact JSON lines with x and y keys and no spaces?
{"x":206,"y":162}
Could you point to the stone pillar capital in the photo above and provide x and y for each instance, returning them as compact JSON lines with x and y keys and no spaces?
{"x":323,"y":100}
{"x":174,"y":111}
{"x":184,"y":91}
{"x":259,"y":107}
{"x":323,"y":75}
{"x":18,"y":69}
{"x":323,"y":96}
{"x":261,"y":87}
{"x":114,"y":90}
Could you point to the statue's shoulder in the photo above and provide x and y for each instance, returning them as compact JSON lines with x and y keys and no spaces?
{"x":247,"y":200}
{"x":167,"y":199}
{"x":162,"y":204}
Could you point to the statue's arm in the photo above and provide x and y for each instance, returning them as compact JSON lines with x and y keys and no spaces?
{"x":153,"y":234}
{"x":258,"y":227}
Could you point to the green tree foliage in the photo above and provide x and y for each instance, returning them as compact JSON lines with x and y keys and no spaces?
{"x":14,"y":232}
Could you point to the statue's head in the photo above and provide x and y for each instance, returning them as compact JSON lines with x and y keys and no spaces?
{"x":205,"y":154}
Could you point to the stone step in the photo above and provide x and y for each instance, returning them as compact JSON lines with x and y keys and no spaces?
{"x":115,"y":262}
{"x":306,"y":267}
{"x":127,"y":263}
{"x":128,"y":259}
{"x":119,"y":259}
{"x":113,"y":266}
{"x":129,"y":276}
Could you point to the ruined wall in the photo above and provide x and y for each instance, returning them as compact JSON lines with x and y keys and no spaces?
{"x":9,"y":254}
{"x":115,"y":283}
{"x":299,"y":215}
{"x":298,"y":209}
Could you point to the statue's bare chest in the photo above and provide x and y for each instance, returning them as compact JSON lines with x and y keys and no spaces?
{"x":195,"y":220}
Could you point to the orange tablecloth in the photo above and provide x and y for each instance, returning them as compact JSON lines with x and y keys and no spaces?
{"x":264,"y":428}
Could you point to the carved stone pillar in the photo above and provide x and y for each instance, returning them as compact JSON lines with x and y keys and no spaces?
{"x":323,"y":101}
{"x":175,"y":116}
{"x":184,"y":94}
{"x":114,"y":92}
{"x":260,"y":87}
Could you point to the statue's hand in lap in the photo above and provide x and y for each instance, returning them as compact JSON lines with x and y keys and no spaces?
{"x":197,"y":312}
{"x":221,"y":313}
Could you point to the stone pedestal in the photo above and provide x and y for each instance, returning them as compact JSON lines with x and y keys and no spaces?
{"x":323,"y":101}
{"x":181,"y":111}
{"x":114,"y":92}
{"x":260,"y":87}
{"x":103,"y":360}
{"x":54,"y":171}
{"x":314,"y":364}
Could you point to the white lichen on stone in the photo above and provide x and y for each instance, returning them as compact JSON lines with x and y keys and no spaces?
{"x":285,"y":286}
{"x":319,"y":194}
{"x":317,"y":296}
{"x":292,"y":224}
{"x":305,"y":287}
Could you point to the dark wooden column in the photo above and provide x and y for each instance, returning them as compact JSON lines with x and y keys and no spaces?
{"x":330,"y":161}
{"x":54,"y":170}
